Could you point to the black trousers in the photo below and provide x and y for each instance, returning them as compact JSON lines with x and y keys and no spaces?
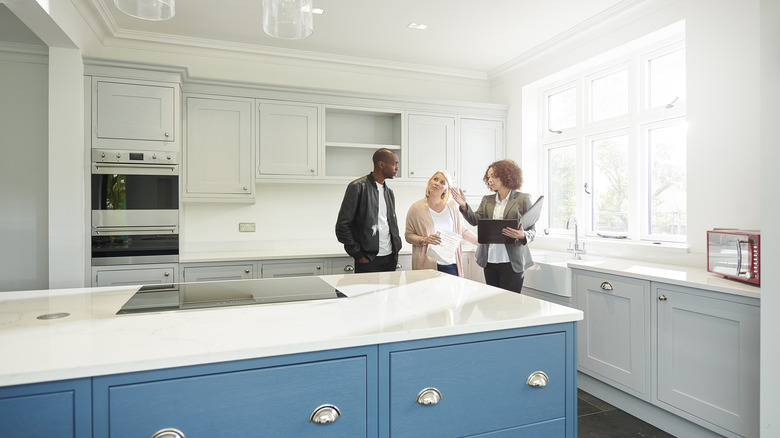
{"x":502,"y":275}
{"x":379,"y":264}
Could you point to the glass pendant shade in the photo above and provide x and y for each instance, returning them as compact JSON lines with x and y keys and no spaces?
{"x":288,"y":19}
{"x":147,"y":9}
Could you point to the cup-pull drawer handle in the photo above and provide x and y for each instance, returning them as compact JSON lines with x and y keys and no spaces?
{"x":325,"y":414}
{"x":537,"y":379}
{"x":349,"y":268}
{"x":168,"y":433}
{"x":606,"y":286}
{"x":428,"y":396}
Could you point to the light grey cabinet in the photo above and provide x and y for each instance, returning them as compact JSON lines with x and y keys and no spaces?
{"x":708,"y":357}
{"x":352,"y":135}
{"x":218,"y":272}
{"x":292,"y":268}
{"x":134,"y":275}
{"x":431,"y":146}
{"x":139,"y":115}
{"x":691,"y":352}
{"x":218,"y":153}
{"x":613,"y":340}
{"x":341,"y":265}
{"x":289,"y":140}
{"x":481,"y":144}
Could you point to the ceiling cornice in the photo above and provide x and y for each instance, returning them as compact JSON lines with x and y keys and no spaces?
{"x":111,"y":35}
{"x":561,"y":39}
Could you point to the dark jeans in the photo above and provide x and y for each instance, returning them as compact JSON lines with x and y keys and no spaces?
{"x":448,"y":269}
{"x":379,"y":264}
{"x":501,"y":275}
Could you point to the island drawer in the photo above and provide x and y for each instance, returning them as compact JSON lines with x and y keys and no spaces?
{"x":274,"y":401}
{"x":483,"y":386}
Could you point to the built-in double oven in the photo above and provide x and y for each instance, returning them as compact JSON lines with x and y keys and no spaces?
{"x":135,"y":207}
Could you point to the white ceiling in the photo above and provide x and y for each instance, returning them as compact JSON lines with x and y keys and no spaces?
{"x":467,"y":37}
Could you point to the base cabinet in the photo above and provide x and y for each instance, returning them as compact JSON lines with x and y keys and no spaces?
{"x":614,"y":338}
{"x":516,"y":382}
{"x":708,"y":358}
{"x":218,"y":272}
{"x":59,"y":409}
{"x":435,"y":392}
{"x":134,"y":274}
{"x":274,"y":401}
{"x":698,"y":350}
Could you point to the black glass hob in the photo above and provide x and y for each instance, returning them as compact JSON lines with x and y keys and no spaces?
{"x":212,"y":294}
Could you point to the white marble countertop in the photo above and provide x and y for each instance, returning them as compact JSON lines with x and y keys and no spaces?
{"x":380,"y":308}
{"x":688,"y":276}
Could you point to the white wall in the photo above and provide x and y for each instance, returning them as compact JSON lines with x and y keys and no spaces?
{"x":24,"y":224}
{"x":770,"y":212}
{"x":722,"y":111}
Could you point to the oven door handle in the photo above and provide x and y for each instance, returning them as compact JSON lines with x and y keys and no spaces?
{"x":122,"y":231}
{"x":135,"y":169}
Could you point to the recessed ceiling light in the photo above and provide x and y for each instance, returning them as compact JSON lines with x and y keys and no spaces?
{"x":318,"y":11}
{"x":417,"y":26}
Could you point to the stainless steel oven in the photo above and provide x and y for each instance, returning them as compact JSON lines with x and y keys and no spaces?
{"x":135,"y":207}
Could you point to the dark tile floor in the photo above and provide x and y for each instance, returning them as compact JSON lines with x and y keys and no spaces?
{"x":599,"y":419}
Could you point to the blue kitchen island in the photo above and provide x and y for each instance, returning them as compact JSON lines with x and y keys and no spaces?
{"x":413,"y":353}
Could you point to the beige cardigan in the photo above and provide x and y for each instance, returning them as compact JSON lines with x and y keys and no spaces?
{"x":419,"y":224}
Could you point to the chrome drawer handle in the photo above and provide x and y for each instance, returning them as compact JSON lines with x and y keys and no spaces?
{"x":662,"y":298}
{"x":428,"y":396}
{"x":537,"y":379}
{"x":325,"y":414}
{"x":349,"y":268}
{"x":606,"y":286}
{"x":168,"y":433}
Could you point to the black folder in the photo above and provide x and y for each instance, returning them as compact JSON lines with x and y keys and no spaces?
{"x":489,"y":230}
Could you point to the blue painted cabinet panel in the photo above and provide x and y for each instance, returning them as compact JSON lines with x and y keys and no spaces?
{"x":482,"y":384}
{"x":59,"y":409}
{"x":273,"y":402}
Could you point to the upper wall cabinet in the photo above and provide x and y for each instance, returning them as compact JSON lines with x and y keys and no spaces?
{"x":138,"y":115}
{"x":431,"y":146}
{"x":481,"y":144}
{"x":288,"y":140}
{"x":218,"y":152}
{"x":353,"y":135}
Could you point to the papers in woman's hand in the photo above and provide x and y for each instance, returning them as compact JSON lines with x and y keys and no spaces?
{"x":447,"y":251}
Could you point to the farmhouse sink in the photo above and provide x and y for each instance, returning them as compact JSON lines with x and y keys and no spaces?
{"x":550,"y":272}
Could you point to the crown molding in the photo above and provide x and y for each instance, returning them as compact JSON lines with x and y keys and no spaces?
{"x":111,"y":35}
{"x":571,"y":36}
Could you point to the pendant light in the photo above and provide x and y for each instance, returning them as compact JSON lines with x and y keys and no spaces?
{"x":147,"y":9}
{"x":288,"y":19}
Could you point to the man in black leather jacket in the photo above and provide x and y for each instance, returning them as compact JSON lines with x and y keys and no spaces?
{"x":367,"y":225}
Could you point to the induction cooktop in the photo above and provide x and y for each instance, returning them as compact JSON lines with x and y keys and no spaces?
{"x":212,"y":294}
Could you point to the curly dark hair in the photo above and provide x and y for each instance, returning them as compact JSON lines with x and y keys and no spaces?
{"x":508,"y":172}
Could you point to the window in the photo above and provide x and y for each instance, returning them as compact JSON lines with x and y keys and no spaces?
{"x":613,"y":146}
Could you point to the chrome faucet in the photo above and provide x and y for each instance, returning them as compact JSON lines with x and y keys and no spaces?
{"x":577,"y":250}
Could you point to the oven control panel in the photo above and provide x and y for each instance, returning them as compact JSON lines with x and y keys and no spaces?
{"x":138,"y":157}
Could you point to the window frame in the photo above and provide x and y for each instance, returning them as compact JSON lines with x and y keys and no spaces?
{"x":636,"y":124}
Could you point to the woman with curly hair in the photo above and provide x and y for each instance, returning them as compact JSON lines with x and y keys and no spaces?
{"x":504,"y":264}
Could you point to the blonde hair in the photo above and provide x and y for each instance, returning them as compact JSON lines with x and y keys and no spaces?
{"x":446,"y":194}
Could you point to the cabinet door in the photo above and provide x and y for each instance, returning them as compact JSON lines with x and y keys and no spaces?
{"x":481,"y":144}
{"x":218,"y":152}
{"x":293,"y":269}
{"x":267,"y":402}
{"x":483,"y":387}
{"x":431,"y":146}
{"x":136,"y":275}
{"x":59,"y":409}
{"x":128,"y":111}
{"x":218,"y":272}
{"x":342,"y":265}
{"x":288,"y":140}
{"x":613,"y":340}
{"x":708,"y":358}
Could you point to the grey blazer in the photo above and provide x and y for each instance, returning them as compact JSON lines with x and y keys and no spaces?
{"x":517,"y":205}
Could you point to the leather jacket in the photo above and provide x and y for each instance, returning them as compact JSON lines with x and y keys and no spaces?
{"x":358,"y":218}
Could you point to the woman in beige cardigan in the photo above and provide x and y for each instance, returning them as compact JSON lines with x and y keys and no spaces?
{"x":435,"y":212}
